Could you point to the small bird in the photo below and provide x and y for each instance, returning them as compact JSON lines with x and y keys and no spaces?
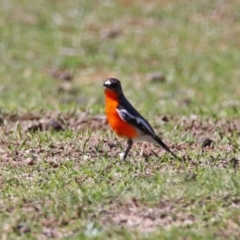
{"x":125,"y":120}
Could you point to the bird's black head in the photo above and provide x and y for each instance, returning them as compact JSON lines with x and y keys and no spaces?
{"x":113,"y":84}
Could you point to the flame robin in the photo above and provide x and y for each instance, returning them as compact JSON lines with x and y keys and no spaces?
{"x":125,"y":120}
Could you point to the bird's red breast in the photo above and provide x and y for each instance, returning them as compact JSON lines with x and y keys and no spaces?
{"x":120,"y":127}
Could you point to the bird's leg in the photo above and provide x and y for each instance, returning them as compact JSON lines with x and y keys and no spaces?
{"x":142,"y":150}
{"x":144,"y":146}
{"x":130,"y":143}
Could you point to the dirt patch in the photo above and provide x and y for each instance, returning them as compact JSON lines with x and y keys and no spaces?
{"x":212,"y":142}
{"x":51,"y":121}
{"x":141,"y":217}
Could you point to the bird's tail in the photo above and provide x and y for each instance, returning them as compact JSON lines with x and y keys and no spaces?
{"x":163,"y":145}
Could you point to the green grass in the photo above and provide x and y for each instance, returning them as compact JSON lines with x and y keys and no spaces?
{"x":71,"y":184}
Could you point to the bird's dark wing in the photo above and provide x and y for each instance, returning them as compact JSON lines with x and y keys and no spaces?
{"x":136,"y":120}
{"x":143,"y":125}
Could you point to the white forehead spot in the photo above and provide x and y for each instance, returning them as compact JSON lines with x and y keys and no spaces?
{"x":108,"y":82}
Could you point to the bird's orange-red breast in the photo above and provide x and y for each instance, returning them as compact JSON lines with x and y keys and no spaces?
{"x":120,"y":127}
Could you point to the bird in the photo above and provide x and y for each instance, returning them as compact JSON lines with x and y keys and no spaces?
{"x":125,"y":120}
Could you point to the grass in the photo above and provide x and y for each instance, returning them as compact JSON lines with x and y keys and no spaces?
{"x":61,"y":176}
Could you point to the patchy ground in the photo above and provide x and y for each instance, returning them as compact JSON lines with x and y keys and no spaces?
{"x":167,"y":214}
{"x":84,"y":147}
{"x":205,"y":136}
